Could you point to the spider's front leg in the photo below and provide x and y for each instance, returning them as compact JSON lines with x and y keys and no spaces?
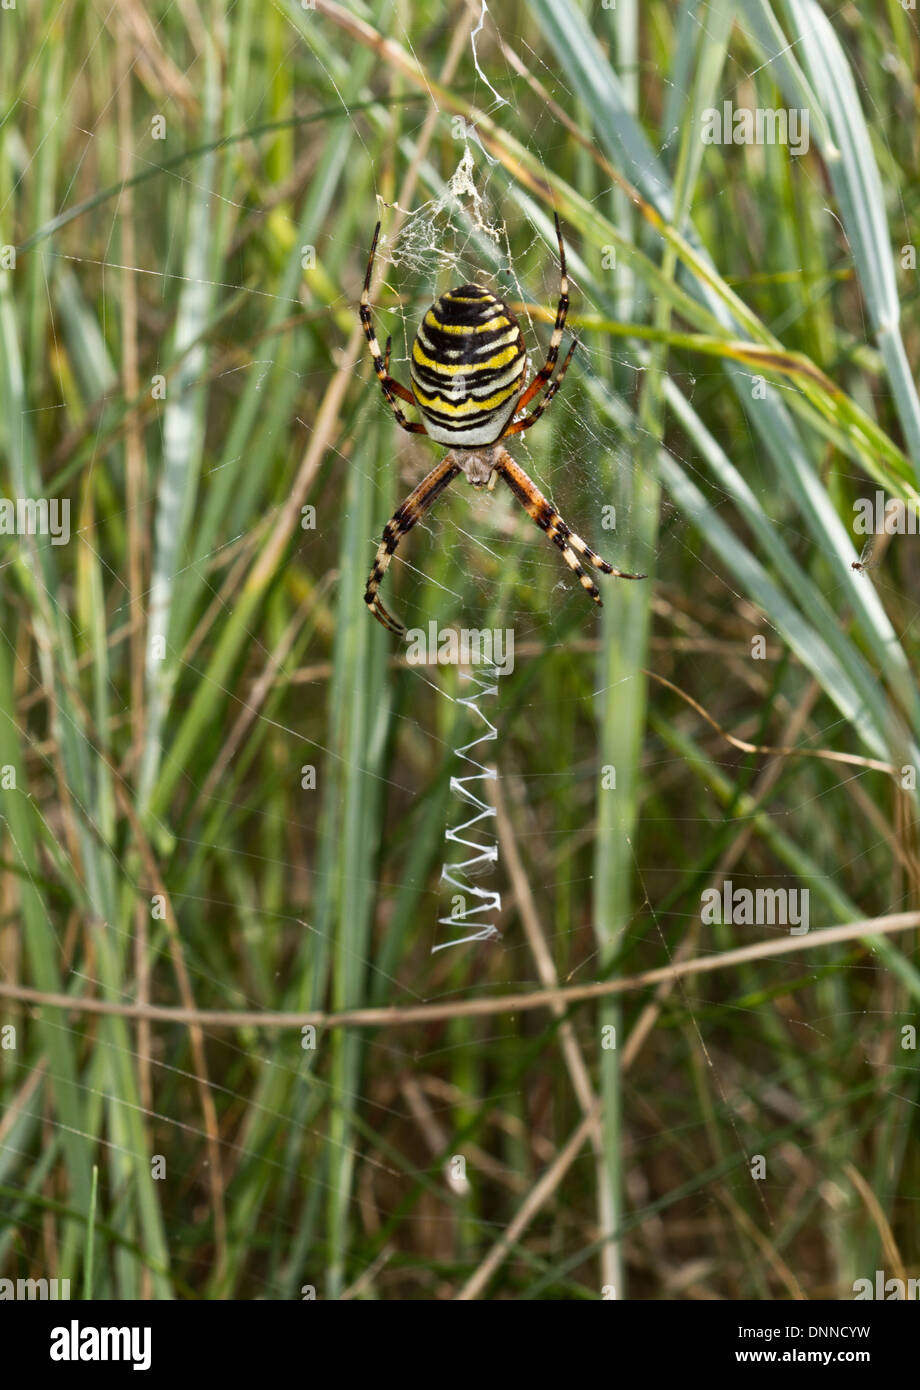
{"x":573,"y":548}
{"x":402,"y":520}
{"x":389,"y":385}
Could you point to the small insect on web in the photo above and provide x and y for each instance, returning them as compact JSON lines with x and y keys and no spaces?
{"x":866,"y":559}
{"x":468,"y":370}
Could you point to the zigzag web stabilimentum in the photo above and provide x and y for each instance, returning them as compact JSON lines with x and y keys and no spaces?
{"x":459,"y":876}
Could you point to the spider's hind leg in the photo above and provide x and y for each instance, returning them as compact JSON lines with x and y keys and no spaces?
{"x":574,"y":550}
{"x":402,"y":520}
{"x":548,"y":519}
{"x":573,"y":547}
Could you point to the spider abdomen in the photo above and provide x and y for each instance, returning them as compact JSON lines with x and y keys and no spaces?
{"x":467,"y":367}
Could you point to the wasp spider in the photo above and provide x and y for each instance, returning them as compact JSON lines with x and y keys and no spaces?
{"x":467,"y":371}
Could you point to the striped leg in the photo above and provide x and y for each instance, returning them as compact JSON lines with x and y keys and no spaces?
{"x":389,"y":385}
{"x":545,"y":515}
{"x":534,"y":416}
{"x":402,"y":520}
{"x":546,"y":371}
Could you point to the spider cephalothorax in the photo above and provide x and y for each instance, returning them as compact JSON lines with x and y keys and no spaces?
{"x":467,"y":370}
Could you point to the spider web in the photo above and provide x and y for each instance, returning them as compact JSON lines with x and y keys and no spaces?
{"x":446,"y":241}
{"x":459,"y":236}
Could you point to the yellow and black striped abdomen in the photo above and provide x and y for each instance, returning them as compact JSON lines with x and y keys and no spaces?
{"x":467,"y":367}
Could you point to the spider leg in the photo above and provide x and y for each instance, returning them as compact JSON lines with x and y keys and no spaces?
{"x":402,"y":520}
{"x":573,"y":548}
{"x":546,"y":371}
{"x":389,"y":385}
{"x":554,"y":385}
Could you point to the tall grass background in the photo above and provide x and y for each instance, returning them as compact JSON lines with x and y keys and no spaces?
{"x":191,"y":190}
